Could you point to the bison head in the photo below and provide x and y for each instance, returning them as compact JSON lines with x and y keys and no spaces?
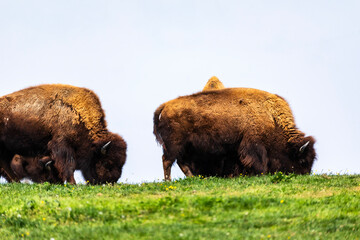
{"x":306,"y":154}
{"x":300,"y":155}
{"x":39,"y":169}
{"x":109,"y":158}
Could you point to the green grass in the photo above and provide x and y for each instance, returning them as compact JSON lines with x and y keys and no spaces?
{"x":264,"y":207}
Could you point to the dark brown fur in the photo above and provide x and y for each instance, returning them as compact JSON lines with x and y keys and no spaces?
{"x":38,"y":169}
{"x":64,"y":122}
{"x":228,"y":132}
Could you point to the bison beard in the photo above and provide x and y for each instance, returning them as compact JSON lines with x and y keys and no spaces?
{"x":228,"y":132}
{"x":65,"y":123}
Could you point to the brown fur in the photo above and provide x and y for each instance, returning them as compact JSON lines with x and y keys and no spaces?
{"x":35,"y":168}
{"x":65,"y":122}
{"x":213,"y":84}
{"x":229,"y":132}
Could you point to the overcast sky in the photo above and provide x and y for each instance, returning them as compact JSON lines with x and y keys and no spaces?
{"x":138,"y":54}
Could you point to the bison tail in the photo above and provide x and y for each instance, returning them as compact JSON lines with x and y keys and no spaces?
{"x":157,"y":117}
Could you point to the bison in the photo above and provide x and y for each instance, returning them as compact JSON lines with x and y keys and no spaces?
{"x":38,"y":169}
{"x":231,"y":131}
{"x":63,"y":122}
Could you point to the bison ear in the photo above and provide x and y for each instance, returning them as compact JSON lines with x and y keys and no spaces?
{"x":17,"y":158}
{"x":103,"y":148}
{"x":17,"y":166}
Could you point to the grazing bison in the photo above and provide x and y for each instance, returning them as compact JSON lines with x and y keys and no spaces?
{"x":231,"y":131}
{"x":213,"y":84}
{"x":38,"y":169}
{"x":65,"y":123}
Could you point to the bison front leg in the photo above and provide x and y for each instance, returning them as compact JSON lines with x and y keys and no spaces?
{"x":71,"y":179}
{"x":167,"y":163}
{"x":63,"y":156}
{"x":7,"y":172}
{"x":253,"y":157}
{"x":9,"y":176}
{"x":65,"y":169}
{"x":185,"y":169}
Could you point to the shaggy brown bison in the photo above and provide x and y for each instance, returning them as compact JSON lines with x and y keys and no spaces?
{"x":64,"y":122}
{"x":38,"y":169}
{"x":231,"y":131}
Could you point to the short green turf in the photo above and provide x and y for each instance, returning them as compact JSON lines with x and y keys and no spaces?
{"x":264,"y":207}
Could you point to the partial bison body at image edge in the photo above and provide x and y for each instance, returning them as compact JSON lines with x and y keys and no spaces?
{"x":231,"y":131}
{"x":65,"y":123}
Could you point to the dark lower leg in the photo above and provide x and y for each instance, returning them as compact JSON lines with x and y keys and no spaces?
{"x":69,"y":173}
{"x":185,"y":169}
{"x":71,"y":179}
{"x":8,"y":173}
{"x":167,"y":163}
{"x":255,"y":159}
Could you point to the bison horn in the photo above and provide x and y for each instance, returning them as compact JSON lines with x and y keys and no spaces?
{"x":103,"y":149}
{"x":47,"y":165}
{"x":302,"y":148}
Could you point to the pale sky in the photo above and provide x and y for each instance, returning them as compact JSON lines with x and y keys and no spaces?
{"x":138,"y":54}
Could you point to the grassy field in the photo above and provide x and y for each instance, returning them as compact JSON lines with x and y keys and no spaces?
{"x":264,"y":207}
